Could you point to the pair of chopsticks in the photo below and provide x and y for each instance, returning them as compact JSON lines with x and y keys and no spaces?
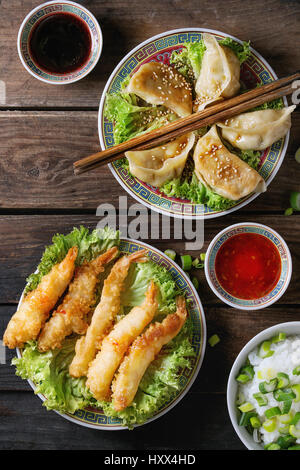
{"x":218,"y":112}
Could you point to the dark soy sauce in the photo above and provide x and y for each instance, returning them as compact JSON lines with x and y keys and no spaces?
{"x":60,"y":43}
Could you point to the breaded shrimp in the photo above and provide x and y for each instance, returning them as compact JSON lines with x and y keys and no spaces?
{"x":27,"y":322}
{"x":71,"y":314}
{"x":116,"y":343}
{"x":104,"y":314}
{"x":142,"y":352}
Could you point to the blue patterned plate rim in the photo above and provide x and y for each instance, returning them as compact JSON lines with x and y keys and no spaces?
{"x":198,"y":311}
{"x":286,"y":266}
{"x":187,"y":206}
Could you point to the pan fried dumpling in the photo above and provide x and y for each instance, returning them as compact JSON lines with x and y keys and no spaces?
{"x":224,"y":172}
{"x":257,"y":130}
{"x":160,"y":164}
{"x":219,"y":75}
{"x":160,"y":84}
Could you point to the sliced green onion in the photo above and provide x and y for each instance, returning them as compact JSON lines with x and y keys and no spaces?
{"x":285,"y":441}
{"x":283,"y":429}
{"x":246,"y":407}
{"x":271,"y":412}
{"x":264,"y":350}
{"x":171,"y":254}
{"x":295,"y":418}
{"x":288,"y":211}
{"x":285,"y":418}
{"x":202,"y":256}
{"x":266,"y":387}
{"x":186,"y":262}
{"x":296,"y":390}
{"x":272,"y":446}
{"x":270,"y":424}
{"x":261,"y":399}
{"x":286,"y":406}
{"x":195,"y":282}
{"x":213,"y":340}
{"x":284,"y":380}
{"x":295,"y":200}
{"x":297,"y":155}
{"x":242,"y":378}
{"x":283,"y":395}
{"x":295,"y":432}
{"x":296,"y":447}
{"x":278,"y":338}
{"x":255,"y":422}
{"x":296,"y":371}
{"x":248,"y":370}
{"x":245,"y":418}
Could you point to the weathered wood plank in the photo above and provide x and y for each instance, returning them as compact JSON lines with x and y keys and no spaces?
{"x":272,"y":27}
{"x":25,"y":424}
{"x":38,"y":150}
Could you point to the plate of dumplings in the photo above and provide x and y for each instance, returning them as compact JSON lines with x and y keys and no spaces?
{"x":216,"y":169}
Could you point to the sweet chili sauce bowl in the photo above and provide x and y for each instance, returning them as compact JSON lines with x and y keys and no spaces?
{"x":40,"y":13}
{"x":284,"y":266}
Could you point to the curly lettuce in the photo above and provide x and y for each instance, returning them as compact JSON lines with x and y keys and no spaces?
{"x":50,"y":370}
{"x":90,"y":245}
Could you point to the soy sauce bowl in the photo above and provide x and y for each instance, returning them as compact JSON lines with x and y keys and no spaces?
{"x":40,"y":13}
{"x":285,"y":266}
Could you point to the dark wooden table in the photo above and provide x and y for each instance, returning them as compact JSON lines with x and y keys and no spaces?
{"x":44,"y":129}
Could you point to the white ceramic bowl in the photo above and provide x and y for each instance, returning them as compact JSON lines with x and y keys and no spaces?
{"x":46,"y":9}
{"x":290,"y":328}
{"x":286,"y":265}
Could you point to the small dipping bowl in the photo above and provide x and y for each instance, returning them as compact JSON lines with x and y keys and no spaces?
{"x":285,"y":270}
{"x":46,"y":10}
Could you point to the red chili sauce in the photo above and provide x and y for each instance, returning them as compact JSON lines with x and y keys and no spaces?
{"x":248,"y":266}
{"x":60,"y":43}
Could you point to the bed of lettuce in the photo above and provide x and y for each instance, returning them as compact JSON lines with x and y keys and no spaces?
{"x":49,"y":370}
{"x":133,"y":117}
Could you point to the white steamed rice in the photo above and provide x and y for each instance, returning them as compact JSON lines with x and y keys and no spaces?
{"x":285,"y":358}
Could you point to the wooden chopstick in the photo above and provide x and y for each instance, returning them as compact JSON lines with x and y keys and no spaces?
{"x":218,"y":112}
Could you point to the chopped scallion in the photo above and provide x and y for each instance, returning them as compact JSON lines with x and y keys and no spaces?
{"x":186,"y":262}
{"x":295,"y":200}
{"x":283,"y":395}
{"x":171,"y":254}
{"x":270,"y":425}
{"x":213,"y":340}
{"x":264,"y":350}
{"x":296,"y":389}
{"x":195,"y":282}
{"x":295,"y":432}
{"x":266,"y":387}
{"x":261,"y":399}
{"x":283,"y":380}
{"x":246,"y":407}
{"x":296,"y":371}
{"x":255,"y":422}
{"x":272,"y":412}
{"x":288,"y":211}
{"x":285,"y":441}
{"x":278,"y":338}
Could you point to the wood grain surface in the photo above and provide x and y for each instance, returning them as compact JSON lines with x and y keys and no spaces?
{"x":44,"y":129}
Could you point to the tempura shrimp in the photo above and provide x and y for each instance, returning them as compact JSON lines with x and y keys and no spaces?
{"x":33,"y":312}
{"x":142,"y":352}
{"x":116,"y":343}
{"x":104,"y":314}
{"x":71,"y":314}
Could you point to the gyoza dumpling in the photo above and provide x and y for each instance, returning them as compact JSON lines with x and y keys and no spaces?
{"x":160,"y":84}
{"x":219,"y":75}
{"x":160,"y":164}
{"x":224,"y":172}
{"x":257,"y":130}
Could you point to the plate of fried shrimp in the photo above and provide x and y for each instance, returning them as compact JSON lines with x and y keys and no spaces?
{"x":109,"y":332}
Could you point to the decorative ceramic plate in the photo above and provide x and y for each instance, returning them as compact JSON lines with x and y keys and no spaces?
{"x":159,"y":48}
{"x":95,"y":418}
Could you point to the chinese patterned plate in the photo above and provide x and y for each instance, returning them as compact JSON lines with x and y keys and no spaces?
{"x":95,"y":418}
{"x":159,"y":48}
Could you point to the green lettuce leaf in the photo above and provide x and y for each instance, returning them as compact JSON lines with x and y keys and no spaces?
{"x":49,"y":372}
{"x":90,"y":245}
{"x":130,"y":119}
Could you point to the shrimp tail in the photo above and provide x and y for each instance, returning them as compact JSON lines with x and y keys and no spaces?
{"x":104,"y":259}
